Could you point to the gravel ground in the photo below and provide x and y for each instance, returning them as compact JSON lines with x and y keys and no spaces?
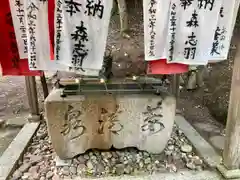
{"x":39,"y":160}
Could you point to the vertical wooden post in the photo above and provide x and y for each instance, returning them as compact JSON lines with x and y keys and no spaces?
{"x":28,"y":90}
{"x":44,"y":86}
{"x":231,"y":153}
{"x":32,"y":98}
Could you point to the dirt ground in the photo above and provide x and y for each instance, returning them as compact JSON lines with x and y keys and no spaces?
{"x":13,"y":98}
{"x":197,"y":106}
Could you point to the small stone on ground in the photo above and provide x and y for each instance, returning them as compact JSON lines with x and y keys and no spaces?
{"x":186,"y":148}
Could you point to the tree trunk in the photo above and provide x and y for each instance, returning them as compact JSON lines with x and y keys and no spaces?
{"x":192,"y":81}
{"x":122,"y":7}
{"x":114,"y":8}
{"x":200,"y":75}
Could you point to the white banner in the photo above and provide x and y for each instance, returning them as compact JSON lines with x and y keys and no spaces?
{"x":39,"y":41}
{"x":156,"y":15}
{"x":18,"y":17}
{"x":191,"y":30}
{"x":81,"y":29}
{"x":38,"y":34}
{"x":224,"y":30}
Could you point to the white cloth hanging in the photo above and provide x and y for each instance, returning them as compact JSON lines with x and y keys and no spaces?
{"x":18,"y":17}
{"x":39,"y":41}
{"x":156,"y":15}
{"x":224,"y":30}
{"x":38,"y":35}
{"x":81,"y":29}
{"x":191,"y":29}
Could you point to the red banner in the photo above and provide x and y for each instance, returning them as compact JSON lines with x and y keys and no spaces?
{"x":51,"y":7}
{"x":10,"y":61}
{"x":162,"y":67}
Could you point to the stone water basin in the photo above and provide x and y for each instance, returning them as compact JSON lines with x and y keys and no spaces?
{"x":77,"y":123}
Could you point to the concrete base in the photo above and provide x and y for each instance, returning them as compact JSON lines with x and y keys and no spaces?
{"x":17,"y":121}
{"x":181,"y":175}
{"x":60,"y":162}
{"x":228,"y":174}
{"x":15,"y":150}
{"x":204,"y":149}
{"x":34,"y":118}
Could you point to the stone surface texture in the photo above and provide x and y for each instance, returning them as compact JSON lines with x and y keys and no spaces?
{"x":82,"y":122}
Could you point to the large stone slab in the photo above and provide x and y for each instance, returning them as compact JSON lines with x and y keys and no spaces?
{"x":81,"y":122}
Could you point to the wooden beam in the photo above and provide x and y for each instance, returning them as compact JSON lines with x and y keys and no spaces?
{"x":34,"y":95}
{"x":32,"y":98}
{"x":28,"y":90}
{"x":231,"y":153}
{"x":44,"y":86}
